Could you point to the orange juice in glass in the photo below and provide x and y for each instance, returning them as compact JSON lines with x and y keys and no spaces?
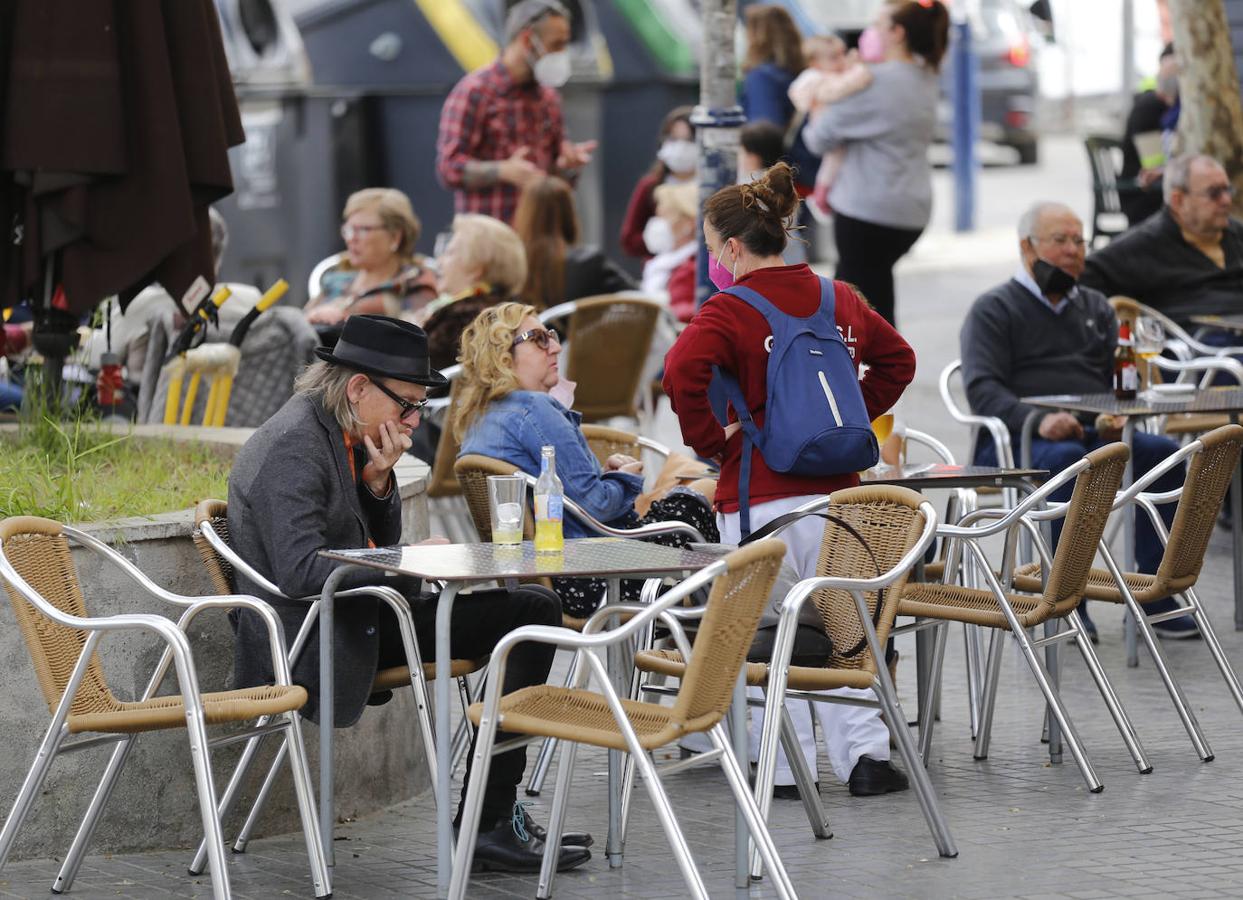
{"x":882,"y":427}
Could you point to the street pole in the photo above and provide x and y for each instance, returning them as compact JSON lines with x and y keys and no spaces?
{"x":966,"y":130}
{"x":717,"y":118}
{"x":1128,"y":51}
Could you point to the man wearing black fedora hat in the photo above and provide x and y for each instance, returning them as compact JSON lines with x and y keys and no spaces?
{"x":319,"y":474}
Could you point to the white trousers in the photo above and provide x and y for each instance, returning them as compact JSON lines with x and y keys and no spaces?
{"x":849,"y":731}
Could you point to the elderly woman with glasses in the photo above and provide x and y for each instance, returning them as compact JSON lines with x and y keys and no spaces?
{"x":505,"y":410}
{"x":379,"y":272}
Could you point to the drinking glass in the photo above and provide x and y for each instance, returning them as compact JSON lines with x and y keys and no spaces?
{"x":507,"y":501}
{"x":882,"y":427}
{"x":1149,"y":342}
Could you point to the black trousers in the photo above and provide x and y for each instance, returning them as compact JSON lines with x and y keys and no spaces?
{"x":867,"y":253}
{"x":479,"y":620}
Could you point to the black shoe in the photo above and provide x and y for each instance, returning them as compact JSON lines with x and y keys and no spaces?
{"x":871,"y":777}
{"x":568,"y":838}
{"x":1180,"y":629}
{"x":379,"y":698}
{"x":789,"y":791}
{"x":503,"y":849}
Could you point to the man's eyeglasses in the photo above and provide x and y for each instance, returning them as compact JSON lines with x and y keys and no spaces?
{"x":542,"y":337}
{"x":1216,"y":192}
{"x":1063,"y":240}
{"x":349,"y":232}
{"x":408,"y":407}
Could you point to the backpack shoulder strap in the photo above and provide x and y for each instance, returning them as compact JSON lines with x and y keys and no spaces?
{"x":754,"y":299}
{"x":828,"y":299}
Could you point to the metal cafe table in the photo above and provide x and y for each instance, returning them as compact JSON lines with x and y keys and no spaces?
{"x":1227,"y":400}
{"x":459,"y":566}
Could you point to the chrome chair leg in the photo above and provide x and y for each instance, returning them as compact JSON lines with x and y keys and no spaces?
{"x":1214,"y":647}
{"x":1112,"y":703}
{"x":300,"y":770}
{"x":256,"y":808}
{"x":928,"y":716}
{"x":556,"y":822}
{"x":35,"y":777}
{"x":915,"y":765}
{"x":992,"y":674}
{"x":803,"y":778}
{"x":206,"y":789}
{"x":86,"y":830}
{"x":251,"y":750}
{"x":1172,"y":687}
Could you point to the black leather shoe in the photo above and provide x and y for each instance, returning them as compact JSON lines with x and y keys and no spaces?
{"x":568,"y":838}
{"x":788,"y":791}
{"x":503,"y":850}
{"x":871,"y":777}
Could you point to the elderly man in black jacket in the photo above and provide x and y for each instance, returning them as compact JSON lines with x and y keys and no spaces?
{"x":318,"y":475}
{"x":1043,"y":333}
{"x":1185,"y":260}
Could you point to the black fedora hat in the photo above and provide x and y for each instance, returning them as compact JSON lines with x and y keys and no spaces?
{"x":389,"y":348}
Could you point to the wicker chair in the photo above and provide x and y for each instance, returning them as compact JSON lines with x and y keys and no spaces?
{"x":211,"y":539}
{"x":607,"y":341}
{"x":63,"y":639}
{"x":899,"y":526}
{"x":604,"y":442}
{"x":742,"y":581}
{"x":1097,"y":477}
{"x":472,"y":472}
{"x":1214,"y":458}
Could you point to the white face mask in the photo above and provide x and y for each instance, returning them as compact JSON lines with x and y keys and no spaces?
{"x":658,"y":236}
{"x":681,"y":157}
{"x":551,"y":69}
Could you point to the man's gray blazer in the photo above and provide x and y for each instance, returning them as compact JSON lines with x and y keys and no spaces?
{"x":291,"y":494}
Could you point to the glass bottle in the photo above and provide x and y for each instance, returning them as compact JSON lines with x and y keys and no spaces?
{"x":1126,"y":373}
{"x":549,"y":502}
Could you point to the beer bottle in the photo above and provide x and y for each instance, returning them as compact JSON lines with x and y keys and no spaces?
{"x":1126,"y":374}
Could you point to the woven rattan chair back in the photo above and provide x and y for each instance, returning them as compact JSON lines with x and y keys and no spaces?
{"x":219,"y":569}
{"x":609,"y":338}
{"x":604,"y":442}
{"x":733,"y":612}
{"x":39,"y":552}
{"x":472,"y":472}
{"x":1088,"y":511}
{"x":888,"y":518}
{"x":443,"y":482}
{"x":1204,"y":489}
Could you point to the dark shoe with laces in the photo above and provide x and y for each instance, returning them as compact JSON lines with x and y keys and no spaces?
{"x":510,"y":847}
{"x":871,"y":777}
{"x":568,"y":838}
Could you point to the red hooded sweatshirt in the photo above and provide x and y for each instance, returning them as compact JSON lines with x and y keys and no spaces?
{"x":729,"y":333}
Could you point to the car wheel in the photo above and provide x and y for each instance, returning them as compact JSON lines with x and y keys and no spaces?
{"x":1029,"y":154}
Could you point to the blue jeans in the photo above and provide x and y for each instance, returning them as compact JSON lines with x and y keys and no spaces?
{"x":1147,"y":451}
{"x":10,"y":396}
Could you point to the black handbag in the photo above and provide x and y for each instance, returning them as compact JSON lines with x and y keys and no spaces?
{"x":858,"y":648}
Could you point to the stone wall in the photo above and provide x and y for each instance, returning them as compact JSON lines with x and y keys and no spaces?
{"x":378,"y":762}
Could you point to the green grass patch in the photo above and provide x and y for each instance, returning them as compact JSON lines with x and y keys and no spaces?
{"x":80,"y":471}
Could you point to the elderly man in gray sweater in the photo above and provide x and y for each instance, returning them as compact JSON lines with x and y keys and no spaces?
{"x":1042,"y":332}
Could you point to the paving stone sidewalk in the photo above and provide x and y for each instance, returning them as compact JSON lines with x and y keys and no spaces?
{"x":1024,"y":828}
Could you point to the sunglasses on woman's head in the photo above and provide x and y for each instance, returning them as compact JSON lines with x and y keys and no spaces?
{"x":542,"y":337}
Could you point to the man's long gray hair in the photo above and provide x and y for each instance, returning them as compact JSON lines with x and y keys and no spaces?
{"x":327,"y":383}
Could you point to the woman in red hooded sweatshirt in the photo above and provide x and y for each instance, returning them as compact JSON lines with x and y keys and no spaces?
{"x":746,"y":227}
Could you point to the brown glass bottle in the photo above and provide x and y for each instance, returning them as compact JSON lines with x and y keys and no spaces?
{"x":1126,"y":373}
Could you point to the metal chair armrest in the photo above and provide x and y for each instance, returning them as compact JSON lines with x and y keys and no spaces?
{"x":655,"y":446}
{"x":935,"y":445}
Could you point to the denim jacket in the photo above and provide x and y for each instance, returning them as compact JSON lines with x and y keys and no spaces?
{"x":515,"y":427}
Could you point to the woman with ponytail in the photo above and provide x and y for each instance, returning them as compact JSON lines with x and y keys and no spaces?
{"x":882,"y":197}
{"x":746,"y":228}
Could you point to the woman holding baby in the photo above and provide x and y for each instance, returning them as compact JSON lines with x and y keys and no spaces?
{"x":881,"y":191}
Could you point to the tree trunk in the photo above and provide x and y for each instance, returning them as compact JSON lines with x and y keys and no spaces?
{"x":1211,"y":120}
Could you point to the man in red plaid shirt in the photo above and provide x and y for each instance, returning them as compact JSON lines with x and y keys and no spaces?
{"x":501,"y":127}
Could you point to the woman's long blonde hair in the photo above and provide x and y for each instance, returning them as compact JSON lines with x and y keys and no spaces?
{"x":487,"y":358}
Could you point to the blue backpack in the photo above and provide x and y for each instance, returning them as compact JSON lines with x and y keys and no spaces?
{"x":815,"y":420}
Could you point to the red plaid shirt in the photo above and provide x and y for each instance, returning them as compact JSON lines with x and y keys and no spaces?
{"x":487,"y":117}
